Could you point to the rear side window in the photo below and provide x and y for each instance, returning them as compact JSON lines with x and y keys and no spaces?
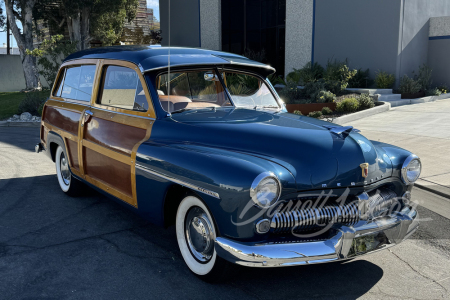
{"x":78,"y":83}
{"x":122,"y":88}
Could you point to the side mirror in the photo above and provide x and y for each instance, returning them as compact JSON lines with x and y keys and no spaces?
{"x":211,"y":76}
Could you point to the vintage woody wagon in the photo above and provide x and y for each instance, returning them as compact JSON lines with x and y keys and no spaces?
{"x":200,"y":139}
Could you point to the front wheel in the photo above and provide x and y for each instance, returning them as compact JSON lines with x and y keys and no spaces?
{"x":67,"y":182}
{"x":196,"y":234}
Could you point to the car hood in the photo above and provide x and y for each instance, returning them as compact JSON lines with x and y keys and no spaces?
{"x":305,"y":146}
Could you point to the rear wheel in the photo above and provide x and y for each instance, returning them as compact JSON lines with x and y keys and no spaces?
{"x":68,"y":184}
{"x":196,"y":234}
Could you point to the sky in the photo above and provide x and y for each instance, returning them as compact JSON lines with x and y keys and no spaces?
{"x":150,"y":4}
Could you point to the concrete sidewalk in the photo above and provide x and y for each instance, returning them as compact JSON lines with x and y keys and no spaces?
{"x":423,"y":129}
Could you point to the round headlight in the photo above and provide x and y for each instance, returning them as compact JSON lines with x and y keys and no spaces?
{"x":411,"y":169}
{"x":265,"y":190}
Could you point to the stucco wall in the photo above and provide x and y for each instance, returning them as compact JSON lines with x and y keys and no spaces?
{"x":11,"y":73}
{"x":299,"y":33}
{"x":211,"y":24}
{"x":438,"y":60}
{"x":417,"y":14}
{"x":365,"y":32}
{"x":440,"y":26}
{"x":185,"y":22}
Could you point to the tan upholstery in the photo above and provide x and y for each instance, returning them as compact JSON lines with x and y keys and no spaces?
{"x":173,"y":103}
{"x":118,"y":97}
{"x":175,"y":99}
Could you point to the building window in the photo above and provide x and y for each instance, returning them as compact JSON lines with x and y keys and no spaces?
{"x":255,"y":28}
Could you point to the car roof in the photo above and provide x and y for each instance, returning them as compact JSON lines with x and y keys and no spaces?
{"x":150,"y":58}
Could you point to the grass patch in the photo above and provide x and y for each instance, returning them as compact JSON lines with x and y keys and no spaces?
{"x":9,"y":103}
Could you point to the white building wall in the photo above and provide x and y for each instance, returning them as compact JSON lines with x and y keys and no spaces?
{"x":299,"y":33}
{"x":211,"y":24}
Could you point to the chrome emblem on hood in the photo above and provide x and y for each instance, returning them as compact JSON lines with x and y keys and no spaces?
{"x":365,"y":169}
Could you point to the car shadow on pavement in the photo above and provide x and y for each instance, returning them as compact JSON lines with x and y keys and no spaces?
{"x":58,"y":246}
{"x":21,"y":137}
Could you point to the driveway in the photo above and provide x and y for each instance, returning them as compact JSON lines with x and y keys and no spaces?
{"x":423,"y":129}
{"x":56,"y":247}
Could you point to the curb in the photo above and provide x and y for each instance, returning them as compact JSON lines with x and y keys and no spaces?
{"x":402,"y":102}
{"x":19,"y":124}
{"x":362,"y":114}
{"x":434,"y":191}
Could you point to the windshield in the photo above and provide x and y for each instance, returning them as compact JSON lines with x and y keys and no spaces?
{"x":187,"y":90}
{"x":249,"y":91}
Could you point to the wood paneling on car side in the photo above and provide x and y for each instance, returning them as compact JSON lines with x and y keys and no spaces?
{"x":102,"y":148}
{"x":64,"y":119}
{"x":115,"y":136}
{"x":111,"y":171}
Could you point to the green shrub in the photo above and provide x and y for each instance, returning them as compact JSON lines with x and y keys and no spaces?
{"x":297,"y":112}
{"x":338,"y":71}
{"x":360,"y":80}
{"x":315,"y":114}
{"x":409,"y":85}
{"x":323,"y":97}
{"x":32,"y":102}
{"x":434,"y":92}
{"x":293,"y":77}
{"x":348,"y":105}
{"x":365,"y":101}
{"x":424,"y":77}
{"x":312,"y":88}
{"x":276,"y":79}
{"x":335,"y":87}
{"x":383,"y":80}
{"x":290,"y":93}
{"x":309,"y":73}
{"x":326,"y":111}
{"x":443,"y":88}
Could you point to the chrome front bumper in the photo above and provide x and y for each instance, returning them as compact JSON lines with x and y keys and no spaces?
{"x":347,"y":242}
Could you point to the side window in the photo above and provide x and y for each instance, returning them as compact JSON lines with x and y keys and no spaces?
{"x":122,"y":88}
{"x":78,"y":83}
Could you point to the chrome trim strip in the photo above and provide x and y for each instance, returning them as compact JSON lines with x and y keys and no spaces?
{"x":183,"y":183}
{"x":121,"y":113}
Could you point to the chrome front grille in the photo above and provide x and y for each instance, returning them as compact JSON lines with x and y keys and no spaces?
{"x":314,"y":218}
{"x":296,"y":219}
{"x":382,"y":201}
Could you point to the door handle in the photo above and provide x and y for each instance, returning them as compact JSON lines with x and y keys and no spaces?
{"x":87,"y":116}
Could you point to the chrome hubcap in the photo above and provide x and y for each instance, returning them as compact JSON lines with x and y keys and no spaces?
{"x":199,"y":234}
{"x":65,"y":172}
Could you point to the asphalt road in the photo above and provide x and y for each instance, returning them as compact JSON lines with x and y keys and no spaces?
{"x":56,"y":247}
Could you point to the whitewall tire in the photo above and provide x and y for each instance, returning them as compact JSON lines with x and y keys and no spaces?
{"x":67,"y":182}
{"x":196,"y":234}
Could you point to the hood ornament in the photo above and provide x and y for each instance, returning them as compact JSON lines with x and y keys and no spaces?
{"x":341,"y":131}
{"x":365,"y":169}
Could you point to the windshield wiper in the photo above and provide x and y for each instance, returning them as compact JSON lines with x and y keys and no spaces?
{"x":180,"y":110}
{"x":266,"y":106}
{"x":193,"y":108}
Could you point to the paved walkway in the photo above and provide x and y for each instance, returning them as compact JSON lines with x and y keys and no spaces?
{"x":423,"y":129}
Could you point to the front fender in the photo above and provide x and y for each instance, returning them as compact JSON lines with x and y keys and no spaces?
{"x":397,"y":156}
{"x":227,"y":173}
